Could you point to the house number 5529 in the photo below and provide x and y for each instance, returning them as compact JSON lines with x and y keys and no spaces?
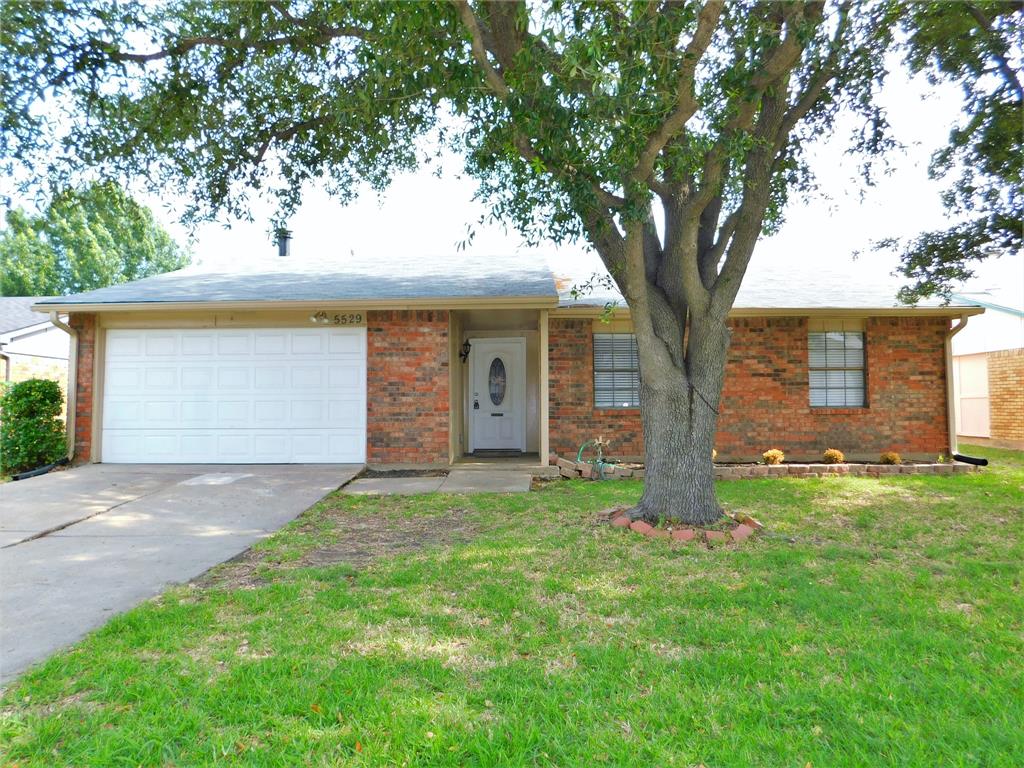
{"x":338,"y":318}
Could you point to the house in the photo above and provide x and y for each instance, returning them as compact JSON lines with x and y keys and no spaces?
{"x":31,"y":347}
{"x":988,"y":366}
{"x":422,"y":361}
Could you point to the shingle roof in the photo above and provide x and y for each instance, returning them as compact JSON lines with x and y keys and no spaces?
{"x":346,"y":278}
{"x":16,"y":312}
{"x":786,"y":286}
{"x":772,"y":285}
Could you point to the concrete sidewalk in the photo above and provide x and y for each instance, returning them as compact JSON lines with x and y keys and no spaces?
{"x":457,"y":481}
{"x":130,"y":532}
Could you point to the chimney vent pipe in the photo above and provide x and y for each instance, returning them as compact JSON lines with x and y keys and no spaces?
{"x":284,"y":242}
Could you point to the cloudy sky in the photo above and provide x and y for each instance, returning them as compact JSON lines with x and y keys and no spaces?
{"x":424,"y":214}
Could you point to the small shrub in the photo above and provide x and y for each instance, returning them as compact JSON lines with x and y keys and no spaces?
{"x":31,"y":430}
{"x":773,"y":456}
{"x":833,"y":456}
{"x":890,"y":457}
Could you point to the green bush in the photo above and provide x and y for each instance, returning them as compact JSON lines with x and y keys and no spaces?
{"x":31,"y":430}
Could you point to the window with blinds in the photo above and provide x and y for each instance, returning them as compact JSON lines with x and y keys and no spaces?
{"x":836,"y":362}
{"x":616,"y":371}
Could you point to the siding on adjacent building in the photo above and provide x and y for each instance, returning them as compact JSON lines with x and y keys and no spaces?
{"x":1006,"y":398}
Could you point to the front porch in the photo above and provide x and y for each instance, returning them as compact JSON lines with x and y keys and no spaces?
{"x":499,"y":389}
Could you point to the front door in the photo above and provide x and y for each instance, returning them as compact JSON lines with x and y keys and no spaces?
{"x":497,"y":395}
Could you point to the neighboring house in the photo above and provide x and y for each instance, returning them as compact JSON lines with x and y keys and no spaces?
{"x":31,"y":347}
{"x":422,"y":361}
{"x":988,"y":367}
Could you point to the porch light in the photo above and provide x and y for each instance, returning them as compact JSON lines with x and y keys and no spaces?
{"x":464,"y":354}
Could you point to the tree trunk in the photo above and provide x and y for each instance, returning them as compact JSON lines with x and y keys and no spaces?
{"x":680,"y":419}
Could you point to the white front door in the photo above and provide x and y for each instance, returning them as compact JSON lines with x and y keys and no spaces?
{"x":497,"y":394}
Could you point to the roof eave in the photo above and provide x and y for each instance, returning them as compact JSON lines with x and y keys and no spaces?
{"x":459,"y":302}
{"x":623,"y":311}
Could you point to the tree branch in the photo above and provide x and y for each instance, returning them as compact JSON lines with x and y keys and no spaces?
{"x":686,"y":102}
{"x":997,"y":49}
{"x":777,"y":63}
{"x":187,"y":44}
{"x":496,"y":82}
{"x":476,"y":37}
{"x":285,"y":134}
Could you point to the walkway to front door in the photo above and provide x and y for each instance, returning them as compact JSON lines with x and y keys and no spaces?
{"x":497,"y":387}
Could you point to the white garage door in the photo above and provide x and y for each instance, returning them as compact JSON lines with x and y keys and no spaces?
{"x":273,"y":395}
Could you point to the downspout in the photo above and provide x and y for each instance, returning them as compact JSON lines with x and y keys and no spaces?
{"x":72,"y":380}
{"x":950,"y":394}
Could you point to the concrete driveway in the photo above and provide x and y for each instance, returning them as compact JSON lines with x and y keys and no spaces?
{"x":82,"y":545}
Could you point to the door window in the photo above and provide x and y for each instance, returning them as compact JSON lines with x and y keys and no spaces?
{"x":496,"y":381}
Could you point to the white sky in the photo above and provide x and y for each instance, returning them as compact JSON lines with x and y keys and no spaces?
{"x":429,"y":215}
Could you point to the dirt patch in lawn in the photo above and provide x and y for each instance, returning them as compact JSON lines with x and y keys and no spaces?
{"x":385,"y":473}
{"x":363,"y":539}
{"x":353,"y":540}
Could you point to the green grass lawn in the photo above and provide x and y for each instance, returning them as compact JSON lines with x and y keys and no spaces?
{"x":881,"y":622}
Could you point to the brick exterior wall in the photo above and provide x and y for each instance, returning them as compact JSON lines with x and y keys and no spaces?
{"x":572,"y":417}
{"x":407,"y":387}
{"x":85,"y":325}
{"x":765,"y":399}
{"x":1006,"y":397}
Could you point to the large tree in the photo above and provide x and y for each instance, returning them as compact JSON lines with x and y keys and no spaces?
{"x":667,"y":134}
{"x":980,"y":47}
{"x":83,"y":239}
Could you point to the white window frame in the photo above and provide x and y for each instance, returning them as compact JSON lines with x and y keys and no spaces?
{"x":624,"y":366}
{"x":844,"y":366}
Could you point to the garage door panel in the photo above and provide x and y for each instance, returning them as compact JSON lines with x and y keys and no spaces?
{"x":270,"y":343}
{"x":307,"y":377}
{"x":197,"y":345}
{"x":161,"y":344}
{"x":126,"y":344}
{"x":308,"y":343}
{"x":121,"y":378}
{"x":122,"y":413}
{"x":346,"y":344}
{"x":161,"y":413}
{"x":201,"y":395}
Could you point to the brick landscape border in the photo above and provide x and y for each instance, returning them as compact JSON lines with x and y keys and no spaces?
{"x":745,"y":526}
{"x":587,"y":471}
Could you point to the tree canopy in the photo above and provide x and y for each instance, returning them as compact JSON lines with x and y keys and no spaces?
{"x":84,"y":239}
{"x":977,"y":45}
{"x":666,"y":134}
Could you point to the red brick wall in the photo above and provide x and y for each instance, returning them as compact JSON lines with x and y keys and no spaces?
{"x":572,"y":417}
{"x":765,"y":400}
{"x":1006,"y":397}
{"x":407,"y":387}
{"x":85,"y":325}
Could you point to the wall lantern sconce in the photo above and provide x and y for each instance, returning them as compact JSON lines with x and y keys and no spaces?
{"x":464,"y":353}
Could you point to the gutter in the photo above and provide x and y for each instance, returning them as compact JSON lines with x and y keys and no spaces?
{"x":72,"y":380}
{"x":950,"y":394}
